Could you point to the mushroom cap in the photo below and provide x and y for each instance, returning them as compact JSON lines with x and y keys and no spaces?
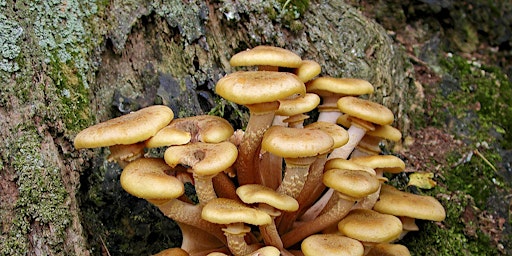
{"x":365,"y":110}
{"x":204,"y":128}
{"x":331,"y":245}
{"x":386,"y":249}
{"x":147,"y":178}
{"x":255,"y":193}
{"x":370,"y":226}
{"x":341,"y":163}
{"x":352,"y":183}
{"x":266,"y":251}
{"x":338,"y":134}
{"x":290,"y":107}
{"x":386,"y":163}
{"x":399,"y":203}
{"x":307,"y":70}
{"x":296,"y":142}
{"x":127,"y":129}
{"x":252,"y":87}
{"x":228,"y":211}
{"x":172,"y":252}
{"x":168,"y":136}
{"x":387,"y":132}
{"x":330,"y":86}
{"x":264,"y":55}
{"x":203,"y":158}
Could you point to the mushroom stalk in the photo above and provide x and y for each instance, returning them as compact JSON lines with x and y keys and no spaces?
{"x":355,"y":134}
{"x":330,"y":217}
{"x":296,"y":173}
{"x":261,"y":117}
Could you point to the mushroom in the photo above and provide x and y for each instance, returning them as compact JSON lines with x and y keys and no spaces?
{"x":369,"y":144}
{"x":205,"y":160}
{"x":331,"y":89}
{"x":363,"y":115}
{"x":260,"y":91}
{"x":235,"y":215}
{"x":331,"y":245}
{"x":370,"y":227}
{"x":350,"y":186}
{"x":172,"y":252}
{"x":125,"y":135}
{"x":149,"y":178}
{"x":408,"y":206}
{"x":266,"y":58}
{"x":307,"y":70}
{"x":299,"y":148}
{"x":271,"y":202}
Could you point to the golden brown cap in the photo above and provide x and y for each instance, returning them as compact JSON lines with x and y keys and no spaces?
{"x":400,"y":203}
{"x":341,"y":163}
{"x":328,"y":86}
{"x":228,"y":211}
{"x":338,"y":134}
{"x":308,"y":70}
{"x":370,"y":226}
{"x":252,"y":87}
{"x":290,"y":107}
{"x":172,"y":252}
{"x":255,"y":193}
{"x":365,"y":110}
{"x":128,"y":129}
{"x":203,"y":158}
{"x":266,"y":56}
{"x":168,"y":136}
{"x":296,"y":142}
{"x":331,"y":245}
{"x":387,"y":132}
{"x":386,"y":249}
{"x":147,"y":178}
{"x":385,"y":163}
{"x":352,"y":183}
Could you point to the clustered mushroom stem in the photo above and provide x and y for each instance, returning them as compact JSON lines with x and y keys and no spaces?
{"x":204,"y":188}
{"x":329,"y":114}
{"x":295,"y":176}
{"x":190,"y":214}
{"x":355,"y":134}
{"x":330,"y":217}
{"x":249,"y":149}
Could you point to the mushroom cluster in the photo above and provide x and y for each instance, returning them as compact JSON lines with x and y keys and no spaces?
{"x":285,"y":185}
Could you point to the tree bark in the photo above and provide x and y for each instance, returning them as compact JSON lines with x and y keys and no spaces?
{"x":68,"y":64}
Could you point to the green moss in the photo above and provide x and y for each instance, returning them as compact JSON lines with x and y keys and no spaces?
{"x":290,"y":13}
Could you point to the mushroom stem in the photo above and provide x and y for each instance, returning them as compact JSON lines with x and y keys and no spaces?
{"x":329,"y":112}
{"x":330,"y":217}
{"x":189,"y":214}
{"x":235,"y":234}
{"x":204,"y":188}
{"x":296,"y":173}
{"x":355,"y":134}
{"x":261,"y":117}
{"x":196,"y":240}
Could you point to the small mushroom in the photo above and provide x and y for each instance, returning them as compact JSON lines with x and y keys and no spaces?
{"x":205,"y":160}
{"x":235,"y":216}
{"x":307,"y":70}
{"x":331,"y":89}
{"x":125,"y":135}
{"x":271,"y":202}
{"x":386,"y":249}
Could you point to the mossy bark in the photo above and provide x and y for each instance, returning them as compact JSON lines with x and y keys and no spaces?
{"x":68,"y":64}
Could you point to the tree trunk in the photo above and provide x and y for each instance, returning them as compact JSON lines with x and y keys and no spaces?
{"x":68,"y":64}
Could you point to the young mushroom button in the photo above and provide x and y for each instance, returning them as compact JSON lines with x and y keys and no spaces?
{"x":260,"y":91}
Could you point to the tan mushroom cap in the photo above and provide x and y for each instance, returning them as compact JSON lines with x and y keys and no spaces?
{"x":386,"y":163}
{"x":265,"y":251}
{"x":370,"y":226}
{"x":338,"y":134}
{"x":266,"y":56}
{"x":387,"y":132}
{"x":331,"y":245}
{"x":168,"y":136}
{"x":352,"y":183}
{"x":255,"y":193}
{"x":308,"y":70}
{"x":290,"y":107}
{"x":204,"y":158}
{"x":365,"y":110}
{"x":172,"y":252}
{"x":386,"y":249}
{"x":341,"y":163}
{"x":252,"y":87}
{"x":399,"y":203}
{"x":204,"y":128}
{"x":329,"y":86}
{"x":296,"y":142}
{"x":228,"y":211}
{"x":127,"y":129}
{"x":147,"y":178}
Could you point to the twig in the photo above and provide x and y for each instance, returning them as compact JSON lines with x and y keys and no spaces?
{"x":476,"y":152}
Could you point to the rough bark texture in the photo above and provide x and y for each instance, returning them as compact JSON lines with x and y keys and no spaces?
{"x":68,"y":64}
